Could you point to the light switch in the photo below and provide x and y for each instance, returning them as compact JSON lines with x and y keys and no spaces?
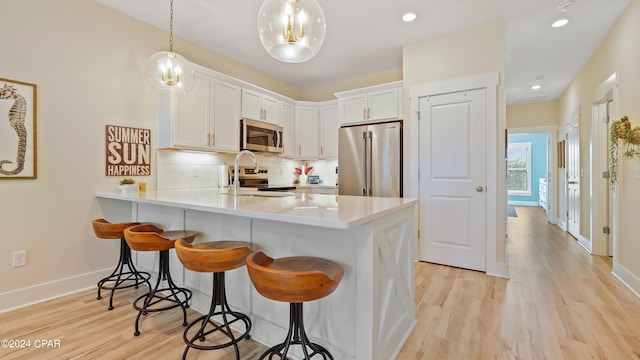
{"x":637,"y":172}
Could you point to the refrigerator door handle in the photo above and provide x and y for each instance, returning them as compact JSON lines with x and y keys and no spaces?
{"x":370,"y":167}
{"x":364,"y":162}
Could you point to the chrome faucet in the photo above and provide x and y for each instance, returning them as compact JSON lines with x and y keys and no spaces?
{"x":236,"y":183}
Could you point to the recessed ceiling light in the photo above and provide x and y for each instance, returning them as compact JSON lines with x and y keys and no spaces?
{"x":560,"y":22}
{"x":409,"y":17}
{"x":536,"y":87}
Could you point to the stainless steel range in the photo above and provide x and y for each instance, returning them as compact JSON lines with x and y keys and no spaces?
{"x":258,"y":179}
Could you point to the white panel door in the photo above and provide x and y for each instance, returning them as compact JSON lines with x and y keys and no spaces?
{"x":453,"y":179}
{"x":573,"y":180}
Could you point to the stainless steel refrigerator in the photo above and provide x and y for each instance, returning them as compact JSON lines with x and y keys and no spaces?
{"x":370,"y":160}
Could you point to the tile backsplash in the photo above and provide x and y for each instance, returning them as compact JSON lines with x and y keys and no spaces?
{"x":192,"y":170}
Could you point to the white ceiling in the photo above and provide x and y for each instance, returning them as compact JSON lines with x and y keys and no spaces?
{"x":366,"y":36}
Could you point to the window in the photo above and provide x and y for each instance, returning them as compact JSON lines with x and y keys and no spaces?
{"x":519,"y":168}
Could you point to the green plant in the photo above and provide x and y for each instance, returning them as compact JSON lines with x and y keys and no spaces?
{"x":127,"y":181}
{"x":622,"y":137}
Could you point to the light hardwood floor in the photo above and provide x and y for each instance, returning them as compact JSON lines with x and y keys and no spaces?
{"x":559,"y":303}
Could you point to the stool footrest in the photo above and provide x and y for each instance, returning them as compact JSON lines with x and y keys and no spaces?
{"x":168,"y":297}
{"x":297,"y":336}
{"x":121,"y":277}
{"x":207,"y":326}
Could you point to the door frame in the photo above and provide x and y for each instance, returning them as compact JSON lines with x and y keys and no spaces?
{"x":552,"y":164}
{"x":573,"y":121}
{"x":600,"y":190}
{"x":496,"y":200}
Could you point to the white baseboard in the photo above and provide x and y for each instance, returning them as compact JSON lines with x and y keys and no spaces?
{"x":626,"y":277}
{"x":498,"y":270}
{"x":30,"y":295}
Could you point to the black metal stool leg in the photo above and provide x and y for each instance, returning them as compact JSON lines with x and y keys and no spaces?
{"x":297,"y":336}
{"x":177,"y":296}
{"x":218,"y":299}
{"x":122,"y":278}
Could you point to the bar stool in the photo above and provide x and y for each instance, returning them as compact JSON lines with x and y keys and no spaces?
{"x":120,"y":278}
{"x":148,"y":237}
{"x":215,"y":257}
{"x":294,"y":280}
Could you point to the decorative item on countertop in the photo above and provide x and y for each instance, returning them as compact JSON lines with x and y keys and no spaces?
{"x":127,"y":185}
{"x":621,"y":133}
{"x":313,"y":179}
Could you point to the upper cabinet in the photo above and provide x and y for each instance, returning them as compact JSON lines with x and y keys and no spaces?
{"x":287,"y":114}
{"x":260,"y":106}
{"x":307,"y":132}
{"x":328,"y":130}
{"x":205,"y":119}
{"x":375,"y":103}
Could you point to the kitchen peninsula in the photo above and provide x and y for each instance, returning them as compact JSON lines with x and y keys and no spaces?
{"x":370,"y":314}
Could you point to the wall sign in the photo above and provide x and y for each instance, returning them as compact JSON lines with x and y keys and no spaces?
{"x":128,"y":151}
{"x":17,"y":129}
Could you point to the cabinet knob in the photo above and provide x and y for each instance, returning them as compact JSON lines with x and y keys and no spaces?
{"x":479,"y":189}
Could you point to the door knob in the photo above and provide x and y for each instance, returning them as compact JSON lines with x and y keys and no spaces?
{"x":479,"y":188}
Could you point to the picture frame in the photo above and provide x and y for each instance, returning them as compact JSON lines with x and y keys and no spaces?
{"x":18,"y":130}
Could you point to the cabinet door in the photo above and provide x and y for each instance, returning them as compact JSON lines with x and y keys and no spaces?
{"x":384,"y":105}
{"x":329,"y":132}
{"x":226,"y":116}
{"x":251,"y":104}
{"x":288,"y":130}
{"x":353,"y":109}
{"x":271,"y":110}
{"x":307,"y":132}
{"x":192,"y":116}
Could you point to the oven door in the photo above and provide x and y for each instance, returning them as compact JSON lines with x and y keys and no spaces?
{"x":260,"y":136}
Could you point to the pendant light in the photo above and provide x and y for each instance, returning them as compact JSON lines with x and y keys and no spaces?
{"x":291,"y":30}
{"x":169,"y":70}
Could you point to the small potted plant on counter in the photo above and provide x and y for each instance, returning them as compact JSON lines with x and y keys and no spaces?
{"x":127,"y":185}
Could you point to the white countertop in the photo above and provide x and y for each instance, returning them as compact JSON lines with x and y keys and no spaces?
{"x":330,"y":211}
{"x":323,"y":186}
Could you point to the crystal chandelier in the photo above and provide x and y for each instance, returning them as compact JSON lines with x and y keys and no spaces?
{"x":291,"y":30}
{"x":169,"y":70}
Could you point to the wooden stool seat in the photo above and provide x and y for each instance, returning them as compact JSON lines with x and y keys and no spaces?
{"x":215,"y":257}
{"x":148,"y":237}
{"x":293,"y":279}
{"x":125,"y":275}
{"x":296,"y":280}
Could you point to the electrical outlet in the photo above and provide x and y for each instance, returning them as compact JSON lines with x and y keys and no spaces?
{"x":19,"y":258}
{"x":194,"y":172}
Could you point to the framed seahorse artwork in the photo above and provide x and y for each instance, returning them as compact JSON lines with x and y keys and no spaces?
{"x":18,"y":113}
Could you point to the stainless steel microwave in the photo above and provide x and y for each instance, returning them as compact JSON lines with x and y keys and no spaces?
{"x":260,"y":136}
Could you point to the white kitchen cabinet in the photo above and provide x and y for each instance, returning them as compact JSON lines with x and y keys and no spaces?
{"x":259,"y":106}
{"x":376,"y":103}
{"x":307,"y":118}
{"x":289,"y":143}
{"x":205,"y":119}
{"x":328,"y":130}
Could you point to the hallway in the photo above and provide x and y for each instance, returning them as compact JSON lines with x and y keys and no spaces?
{"x":559,"y":303}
